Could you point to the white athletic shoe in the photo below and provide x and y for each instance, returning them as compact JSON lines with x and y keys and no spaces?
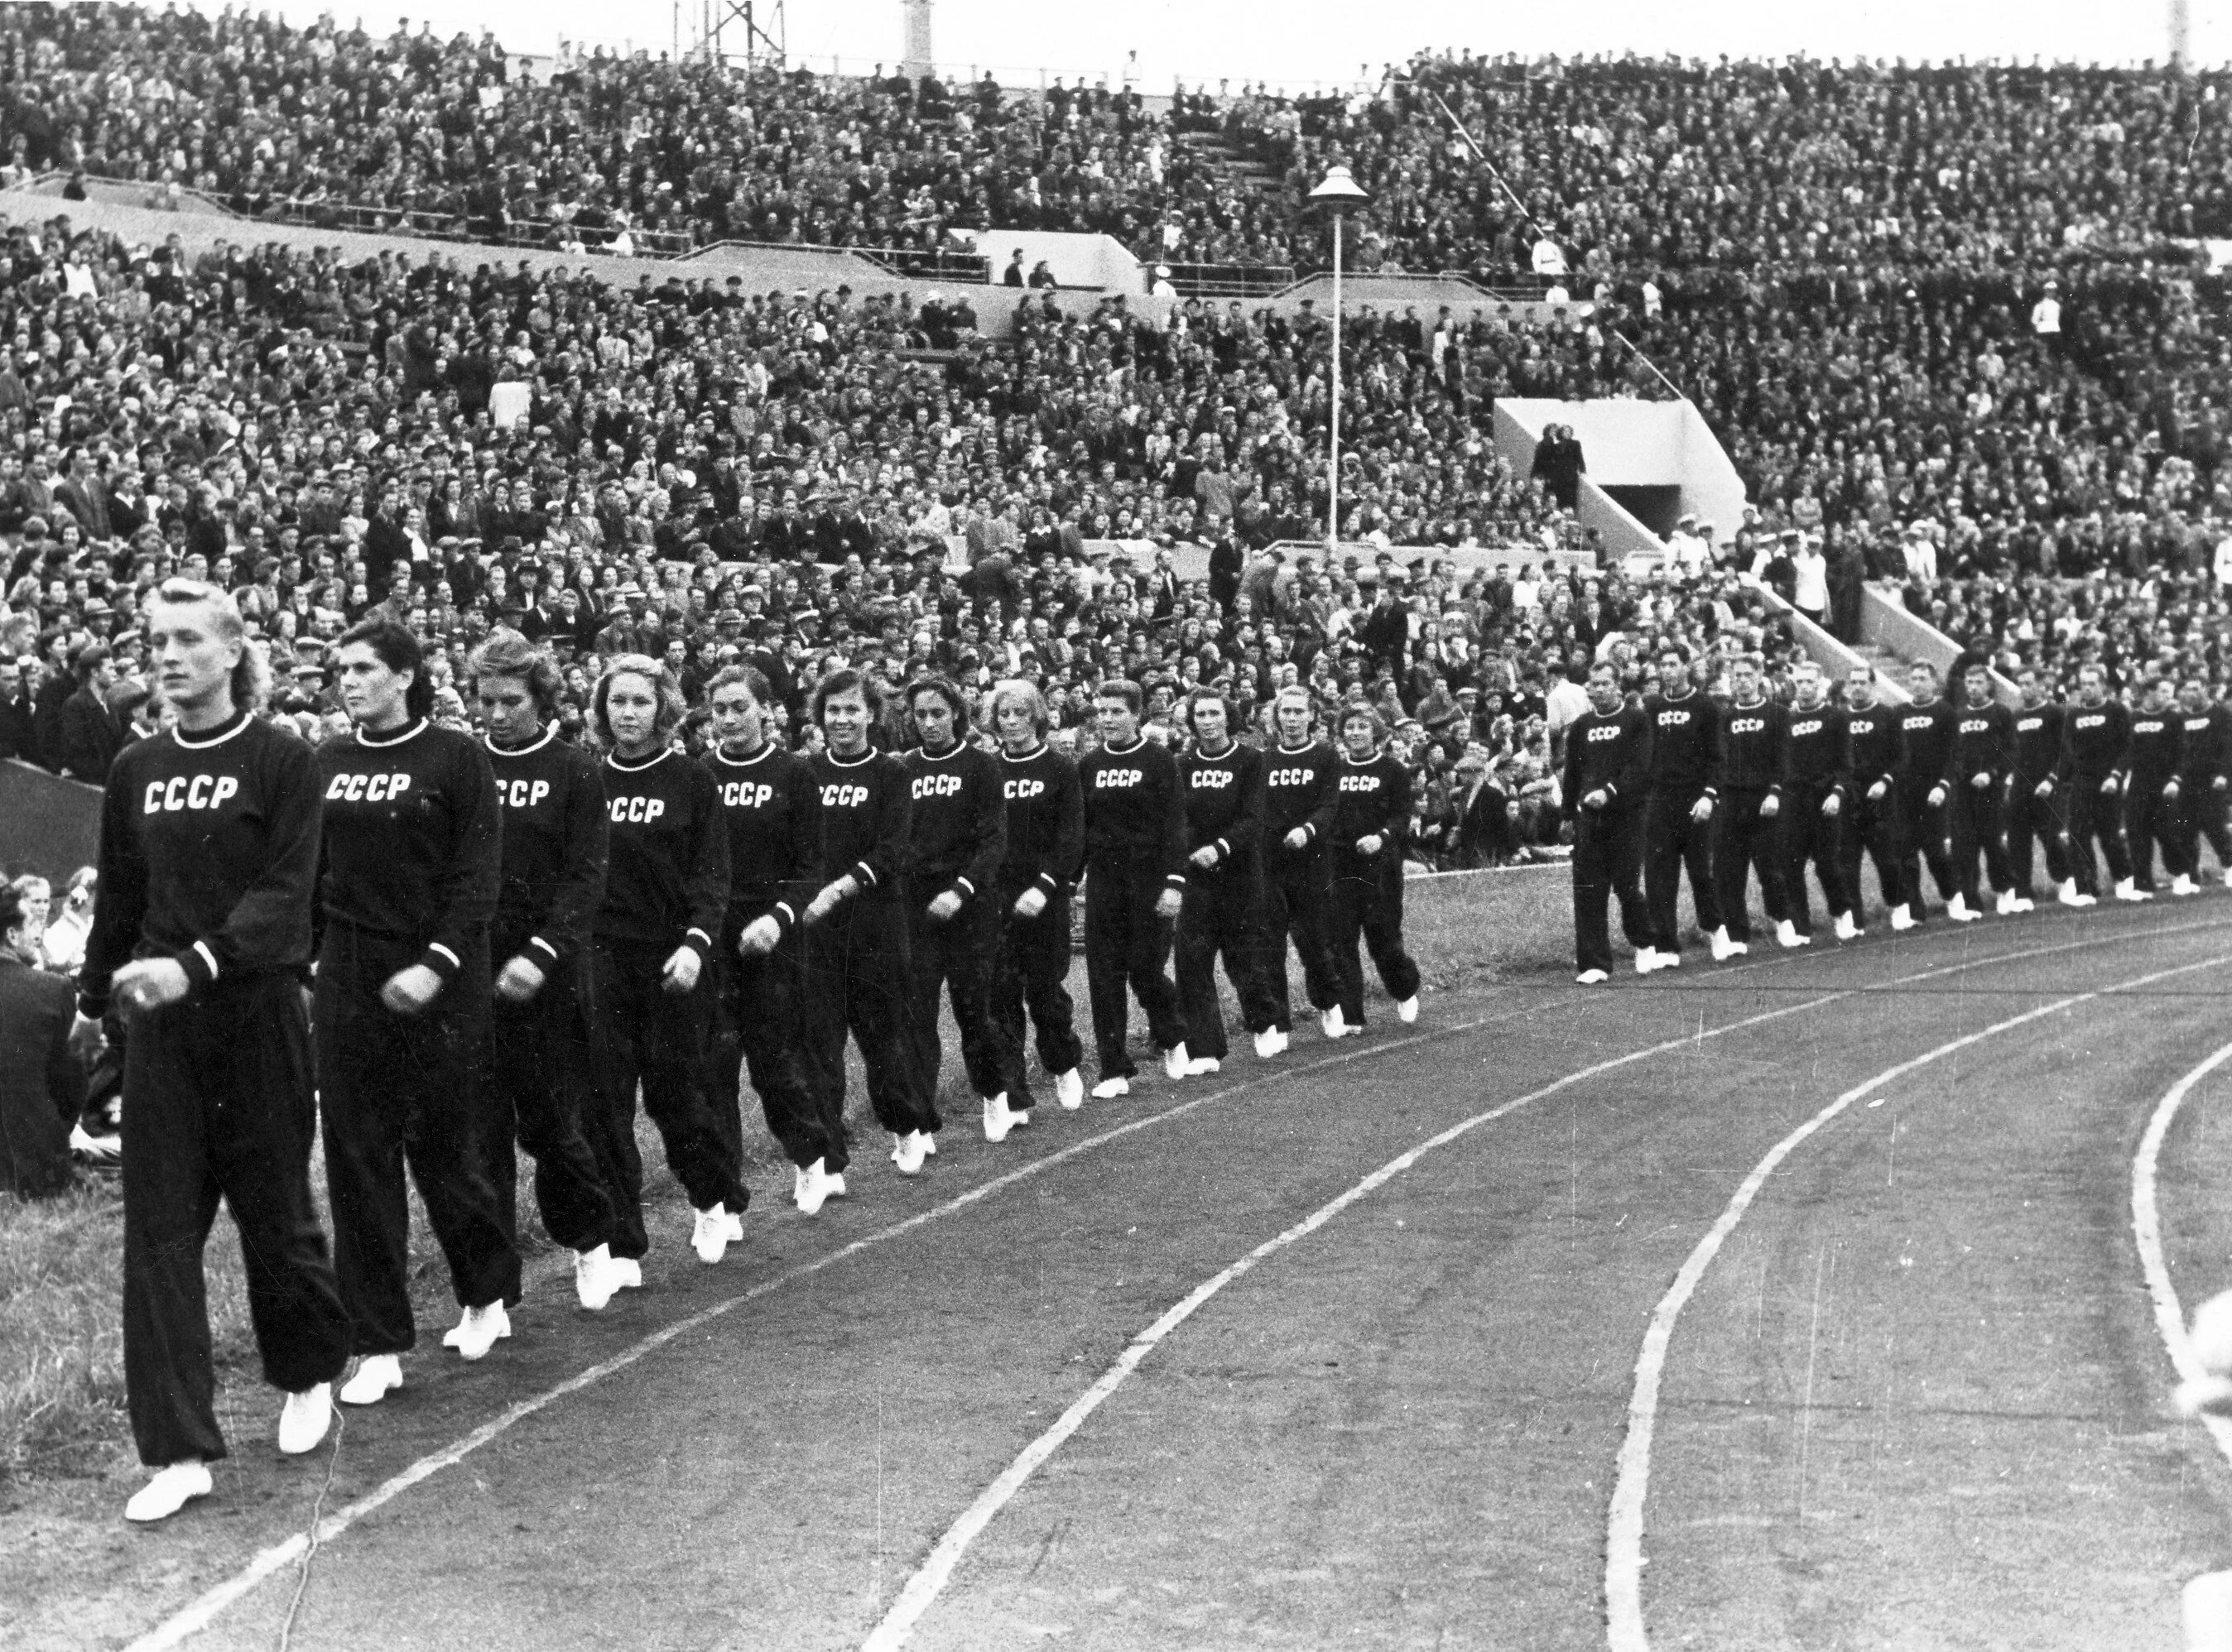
{"x":1591,"y":978}
{"x":817,"y":1185}
{"x":596,"y":1276}
{"x":305,"y":1418}
{"x":1723,"y":948}
{"x":1175,"y":1060}
{"x":481,"y":1330}
{"x":627,"y":1273}
{"x":1786,"y":935}
{"x":2129,"y":890}
{"x":710,"y":1235}
{"x":2183,"y":884}
{"x":1109,"y":1089}
{"x":1406,"y":1011}
{"x":1646,"y":960}
{"x":2005,"y":906}
{"x":2228,"y":877}
{"x":1201,"y":1065}
{"x":908,"y":1152}
{"x":998,"y":1120}
{"x":1270,"y":1042}
{"x":460,"y":1333}
{"x":1846,"y":930}
{"x":170,"y":1490}
{"x":1902,"y":918}
{"x":1069,"y":1089}
{"x":2068,"y":894}
{"x":377,"y":1376}
{"x":2024,"y":903}
{"x":797,"y":1183}
{"x":1959,"y":911}
{"x":1335,"y":1024}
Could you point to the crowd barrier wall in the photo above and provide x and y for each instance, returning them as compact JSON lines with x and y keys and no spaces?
{"x":48,"y":824}
{"x":1886,"y":624}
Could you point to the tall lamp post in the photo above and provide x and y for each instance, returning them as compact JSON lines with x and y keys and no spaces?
{"x":1338,"y":197}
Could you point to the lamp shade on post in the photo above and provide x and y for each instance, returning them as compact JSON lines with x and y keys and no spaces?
{"x":1337,"y":197}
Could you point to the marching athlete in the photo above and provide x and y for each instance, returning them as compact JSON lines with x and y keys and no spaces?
{"x":1813,"y":796}
{"x":1927,"y":724}
{"x":208,"y":856}
{"x":2037,"y":791}
{"x":2151,"y":791}
{"x":1749,"y":787}
{"x":535,"y":1059}
{"x":1371,"y":822}
{"x":1686,"y":749}
{"x":2097,"y":736}
{"x":774,"y":821}
{"x":666,"y":883}
{"x":1045,"y":842}
{"x":412,"y":848}
{"x":856,"y":966}
{"x":1982,"y":760}
{"x":1135,"y":884}
{"x":1875,"y":751}
{"x":959,"y":825}
{"x":1607,"y":770}
{"x":1298,"y":799}
{"x":1223,"y":781}
{"x":2206,"y":743}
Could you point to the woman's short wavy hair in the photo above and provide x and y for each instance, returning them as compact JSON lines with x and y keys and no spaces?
{"x":505,"y":653}
{"x":672,"y":705}
{"x":843,"y":680}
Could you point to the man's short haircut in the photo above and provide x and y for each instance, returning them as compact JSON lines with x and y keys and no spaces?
{"x":1921,"y":665}
{"x":946,"y":689}
{"x":672,"y":705}
{"x":1607,"y":666}
{"x":753,"y":678}
{"x":397,"y":649}
{"x":844,"y":680}
{"x":1121,"y":688}
{"x":252,"y":675}
{"x":505,"y":653}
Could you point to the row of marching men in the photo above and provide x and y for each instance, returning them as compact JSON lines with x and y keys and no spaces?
{"x":1748,"y":787}
{"x":510,"y":939}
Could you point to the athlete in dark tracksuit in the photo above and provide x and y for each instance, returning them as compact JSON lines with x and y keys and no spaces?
{"x":1607,"y":773}
{"x":535,"y":1063}
{"x":1982,"y":758}
{"x":1686,"y":749}
{"x":1224,"y":883}
{"x":1134,"y":852}
{"x":209,"y":854}
{"x":666,"y":885}
{"x":2206,"y":744}
{"x":1371,"y":824}
{"x":1745,"y":838}
{"x":1923,"y":791}
{"x":2038,"y":792}
{"x":412,"y":855}
{"x":2097,"y":737}
{"x":1875,"y":751}
{"x":1045,"y":843}
{"x":960,"y":824}
{"x":1812,"y":779}
{"x":1298,"y":799}
{"x":2151,"y":791}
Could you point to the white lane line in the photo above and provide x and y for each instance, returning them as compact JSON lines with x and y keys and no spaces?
{"x":2146,"y":1228}
{"x":1624,"y":1560}
{"x":931,"y":1578}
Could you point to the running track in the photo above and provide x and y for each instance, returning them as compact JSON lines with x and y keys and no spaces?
{"x":1347,"y":1351}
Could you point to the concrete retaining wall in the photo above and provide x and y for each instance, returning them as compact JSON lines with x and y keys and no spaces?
{"x":1886,"y":624}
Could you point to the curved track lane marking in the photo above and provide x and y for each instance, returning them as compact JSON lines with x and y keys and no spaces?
{"x":1624,"y":1560}
{"x":2147,"y":1229}
{"x":929,"y":1581}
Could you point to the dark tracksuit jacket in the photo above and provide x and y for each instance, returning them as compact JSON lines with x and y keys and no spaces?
{"x":2151,"y":819}
{"x":857,"y":968}
{"x":2029,"y":818}
{"x":1611,"y":753}
{"x":2096,"y":744}
{"x":1297,"y":793}
{"x":666,"y":885}
{"x":1923,"y":826}
{"x":1224,"y":907}
{"x":209,"y":857}
{"x":536,"y":1058}
{"x":1134,"y":849}
{"x":1744,"y":840}
{"x":1983,"y":751}
{"x":1371,"y":799}
{"x":1045,"y":843}
{"x":960,"y":826}
{"x":1875,"y":753}
{"x":413,"y":856}
{"x":2206,"y":744}
{"x":1813,"y":771}
{"x":774,"y":822}
{"x":1685,"y":750}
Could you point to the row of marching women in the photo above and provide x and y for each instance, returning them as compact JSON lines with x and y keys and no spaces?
{"x":510,"y":941}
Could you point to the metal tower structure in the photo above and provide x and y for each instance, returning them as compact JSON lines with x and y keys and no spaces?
{"x":2181,"y":34}
{"x":751,"y":31}
{"x":915,"y":61}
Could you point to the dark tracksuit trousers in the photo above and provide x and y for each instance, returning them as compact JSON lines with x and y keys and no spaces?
{"x":1127,"y":945}
{"x":1672,"y":841}
{"x":2151,"y":820}
{"x":641,"y":1034}
{"x":2201,"y":816}
{"x":1031,"y":972}
{"x":534,"y":1083}
{"x":223,"y":1105}
{"x":857,"y":981}
{"x":1607,"y":860}
{"x":1973,"y":815}
{"x":2030,"y":816}
{"x":396,"y":1091}
{"x":1222,"y":913}
{"x":956,"y":955}
{"x":1810,"y":838}
{"x":1922,"y":832}
{"x":758,"y":1024}
{"x":1296,"y":888}
{"x":1872,"y":826}
{"x":1744,"y":844}
{"x":2094,"y":818}
{"x":1367,"y":903}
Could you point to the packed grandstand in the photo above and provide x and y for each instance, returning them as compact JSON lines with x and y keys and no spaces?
{"x":1957,"y":327}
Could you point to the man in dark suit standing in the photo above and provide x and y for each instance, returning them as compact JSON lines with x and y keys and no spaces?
{"x":42,"y":1086}
{"x":91,"y":733}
